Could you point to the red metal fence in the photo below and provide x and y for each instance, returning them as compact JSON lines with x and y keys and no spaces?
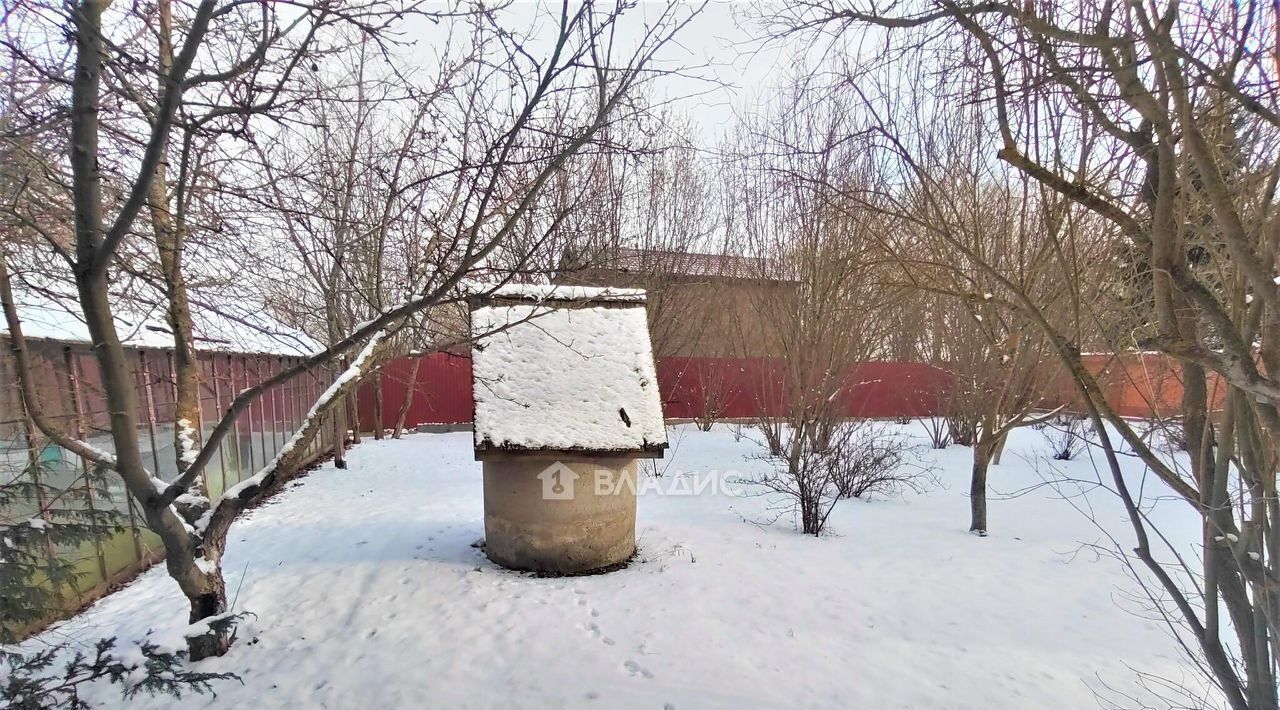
{"x":439,"y":392}
{"x":691,"y":387}
{"x":729,"y":388}
{"x":1139,"y":385}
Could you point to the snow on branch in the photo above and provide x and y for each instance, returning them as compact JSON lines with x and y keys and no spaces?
{"x":187,"y":439}
{"x":264,"y":474}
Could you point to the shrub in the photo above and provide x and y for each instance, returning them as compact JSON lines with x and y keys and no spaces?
{"x":848,"y":459}
{"x":873,"y":460}
{"x":939,"y":433}
{"x":1067,"y":437}
{"x":27,"y":684}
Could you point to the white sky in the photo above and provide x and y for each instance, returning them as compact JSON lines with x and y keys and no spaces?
{"x":732,"y":68}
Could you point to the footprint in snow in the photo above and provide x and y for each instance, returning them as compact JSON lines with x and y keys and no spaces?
{"x":596,"y":633}
{"x":635,"y":670}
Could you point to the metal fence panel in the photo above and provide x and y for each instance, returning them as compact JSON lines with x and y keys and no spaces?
{"x":69,"y":384}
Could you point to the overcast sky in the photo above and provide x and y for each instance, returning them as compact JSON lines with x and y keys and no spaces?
{"x":733,"y":69}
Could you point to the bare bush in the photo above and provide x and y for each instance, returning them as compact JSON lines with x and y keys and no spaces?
{"x":801,"y":472}
{"x":939,"y":432}
{"x":854,"y":458}
{"x":820,"y":273}
{"x":875,"y":460}
{"x":1165,"y":434}
{"x":715,"y":393}
{"x":1068,"y":436}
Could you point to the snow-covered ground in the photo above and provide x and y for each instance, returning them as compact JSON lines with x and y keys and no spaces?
{"x":368,"y":593}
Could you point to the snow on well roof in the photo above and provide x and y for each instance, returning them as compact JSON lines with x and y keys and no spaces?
{"x":565,"y":379}
{"x":557,"y":292}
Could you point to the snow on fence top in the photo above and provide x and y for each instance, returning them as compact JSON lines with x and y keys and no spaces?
{"x":571,"y":377}
{"x":233,"y":327}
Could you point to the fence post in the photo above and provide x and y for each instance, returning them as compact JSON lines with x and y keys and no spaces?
{"x":248,"y":417}
{"x":33,"y":469}
{"x":278,"y":417}
{"x":217,"y":400}
{"x":77,"y":401}
{"x":151,"y":410}
{"x":262,"y":416}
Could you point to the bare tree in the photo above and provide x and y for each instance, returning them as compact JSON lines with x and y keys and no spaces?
{"x":995,"y":356}
{"x":820,"y":283}
{"x":643,"y":227}
{"x":1157,"y":123}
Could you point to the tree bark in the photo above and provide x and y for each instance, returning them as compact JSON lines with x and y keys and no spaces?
{"x":377,"y":405}
{"x":210,"y":602}
{"x":353,"y":419}
{"x":169,"y":245}
{"x":339,"y":437}
{"x":408,"y":397}
{"x":999,"y":449}
{"x":339,"y":413}
{"x":978,"y":490}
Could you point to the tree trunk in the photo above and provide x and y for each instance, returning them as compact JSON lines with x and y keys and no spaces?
{"x":210,"y":602}
{"x":169,"y":245}
{"x":978,"y":490}
{"x":340,"y":412}
{"x":408,"y":398}
{"x":353,"y":418}
{"x":204,"y":591}
{"x":377,"y":405}
{"x":999,"y":449}
{"x":339,"y":437}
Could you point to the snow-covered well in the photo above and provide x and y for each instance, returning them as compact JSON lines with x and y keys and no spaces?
{"x":566,"y":400}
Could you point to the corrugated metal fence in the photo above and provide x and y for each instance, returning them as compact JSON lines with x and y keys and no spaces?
{"x":691,"y":387}
{"x":70,"y":387}
{"x":734,"y":388}
{"x":439,"y":392}
{"x":1140,"y":385}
